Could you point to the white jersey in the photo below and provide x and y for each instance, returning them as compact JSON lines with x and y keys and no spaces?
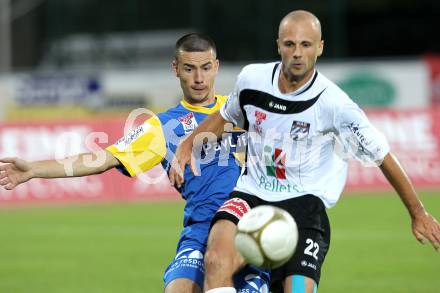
{"x":299,"y":143}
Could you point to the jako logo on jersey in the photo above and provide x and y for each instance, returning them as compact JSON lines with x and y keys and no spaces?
{"x":276,"y":164}
{"x":277,"y":106}
{"x":299,"y":130}
{"x":188,"y":122}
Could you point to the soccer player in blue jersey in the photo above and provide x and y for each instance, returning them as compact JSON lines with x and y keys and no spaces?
{"x":154,"y":142}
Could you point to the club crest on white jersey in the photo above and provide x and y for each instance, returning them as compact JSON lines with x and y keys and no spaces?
{"x":299,"y":130}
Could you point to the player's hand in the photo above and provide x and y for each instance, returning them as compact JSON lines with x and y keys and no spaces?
{"x":13,"y":172}
{"x":182,"y":158}
{"x":426,"y":228}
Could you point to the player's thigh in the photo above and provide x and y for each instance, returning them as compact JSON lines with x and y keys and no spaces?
{"x":182,"y":285}
{"x":299,"y":284}
{"x":222,"y":232}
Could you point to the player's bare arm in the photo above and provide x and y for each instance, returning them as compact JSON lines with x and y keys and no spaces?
{"x":15,"y":171}
{"x":425,"y":227}
{"x":215,"y":124}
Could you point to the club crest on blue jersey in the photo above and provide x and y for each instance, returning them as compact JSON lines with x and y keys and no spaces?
{"x":299,"y":130}
{"x":188,"y":122}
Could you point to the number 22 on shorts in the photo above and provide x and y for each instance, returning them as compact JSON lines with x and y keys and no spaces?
{"x":312,"y":248}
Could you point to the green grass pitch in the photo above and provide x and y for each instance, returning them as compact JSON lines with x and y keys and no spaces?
{"x":125,"y":247}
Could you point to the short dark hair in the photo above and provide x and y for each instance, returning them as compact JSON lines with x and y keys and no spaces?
{"x":194,"y":42}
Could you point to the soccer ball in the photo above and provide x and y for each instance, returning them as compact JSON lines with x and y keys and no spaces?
{"x":266,"y":236}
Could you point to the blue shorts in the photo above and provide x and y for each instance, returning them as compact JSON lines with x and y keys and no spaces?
{"x":188,"y":264}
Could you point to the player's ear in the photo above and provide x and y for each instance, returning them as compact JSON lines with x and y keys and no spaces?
{"x":217,"y":65}
{"x":320,"y":48}
{"x":278,"y":46}
{"x":174,"y":65}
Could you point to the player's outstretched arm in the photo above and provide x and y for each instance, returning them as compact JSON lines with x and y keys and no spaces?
{"x":424,"y":226}
{"x":213,"y":124}
{"x":14,"y":171}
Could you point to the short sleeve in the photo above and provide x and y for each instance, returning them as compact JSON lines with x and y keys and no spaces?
{"x":231,"y":110}
{"x":359,"y":136}
{"x":142,"y":148}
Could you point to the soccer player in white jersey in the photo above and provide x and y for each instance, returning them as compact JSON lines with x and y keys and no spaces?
{"x":299,"y":126}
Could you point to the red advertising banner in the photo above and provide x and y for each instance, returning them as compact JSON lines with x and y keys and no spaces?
{"x":41,"y":141}
{"x":433,"y":64}
{"x":414,"y":137}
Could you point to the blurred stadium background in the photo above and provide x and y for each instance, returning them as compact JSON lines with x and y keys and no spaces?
{"x":69,"y":68}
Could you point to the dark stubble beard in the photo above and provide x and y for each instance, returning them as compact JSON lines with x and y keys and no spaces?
{"x":292,"y":77}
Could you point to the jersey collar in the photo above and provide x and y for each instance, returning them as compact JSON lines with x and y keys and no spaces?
{"x":202,"y":109}
{"x":305,"y":87}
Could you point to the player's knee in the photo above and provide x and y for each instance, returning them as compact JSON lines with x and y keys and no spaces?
{"x":213,"y":260}
{"x":217,"y":261}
